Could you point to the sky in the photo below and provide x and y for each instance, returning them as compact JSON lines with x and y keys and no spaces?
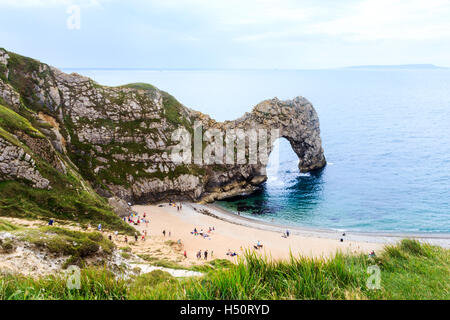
{"x":235,"y":34}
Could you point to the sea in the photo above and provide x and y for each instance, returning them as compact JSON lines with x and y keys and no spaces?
{"x":385,"y":132}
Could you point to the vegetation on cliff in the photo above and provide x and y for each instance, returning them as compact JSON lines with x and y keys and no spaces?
{"x":68,"y":197}
{"x":409,"y":270}
{"x":120,"y":138}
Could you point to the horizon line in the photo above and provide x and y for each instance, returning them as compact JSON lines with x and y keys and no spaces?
{"x":422,"y":66}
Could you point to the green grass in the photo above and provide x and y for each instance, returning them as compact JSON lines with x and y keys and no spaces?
{"x":6,"y":226}
{"x":96,"y":284}
{"x":12,"y":121}
{"x":19,"y":200}
{"x":139,"y":86}
{"x":409,"y":270}
{"x":172,"y":112}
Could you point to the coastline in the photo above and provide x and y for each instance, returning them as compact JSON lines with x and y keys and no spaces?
{"x":441,"y":239}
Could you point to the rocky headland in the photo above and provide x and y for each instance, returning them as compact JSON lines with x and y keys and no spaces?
{"x":65,"y":131}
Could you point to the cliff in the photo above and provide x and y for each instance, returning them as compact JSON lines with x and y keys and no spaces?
{"x":67,"y":132}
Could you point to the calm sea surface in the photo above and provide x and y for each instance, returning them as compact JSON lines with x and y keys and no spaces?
{"x":386,"y":136}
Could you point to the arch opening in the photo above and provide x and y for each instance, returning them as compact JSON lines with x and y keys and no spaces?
{"x":282,"y":166}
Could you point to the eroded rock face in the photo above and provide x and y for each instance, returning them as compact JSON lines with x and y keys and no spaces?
{"x":16,"y":164}
{"x":120,"y":138}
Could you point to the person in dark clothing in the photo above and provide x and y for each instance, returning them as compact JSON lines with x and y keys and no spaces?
{"x":206,"y":254}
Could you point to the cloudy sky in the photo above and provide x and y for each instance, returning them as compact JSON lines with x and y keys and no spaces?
{"x":268,"y":34}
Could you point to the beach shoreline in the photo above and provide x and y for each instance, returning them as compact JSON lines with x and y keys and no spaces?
{"x":228,"y":232}
{"x":441,"y":239}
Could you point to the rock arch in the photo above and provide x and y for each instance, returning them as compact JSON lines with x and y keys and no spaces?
{"x":297,"y":122}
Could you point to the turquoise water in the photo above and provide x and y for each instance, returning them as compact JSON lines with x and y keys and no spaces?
{"x":386,"y":136}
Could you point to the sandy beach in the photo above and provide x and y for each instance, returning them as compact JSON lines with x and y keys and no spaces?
{"x":236,"y":236}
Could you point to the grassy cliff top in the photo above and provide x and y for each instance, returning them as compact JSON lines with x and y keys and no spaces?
{"x":408,"y":270}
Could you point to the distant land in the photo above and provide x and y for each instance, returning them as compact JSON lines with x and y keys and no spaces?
{"x":398,"y":66}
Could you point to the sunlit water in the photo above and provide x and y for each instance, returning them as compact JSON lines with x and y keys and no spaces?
{"x":385,"y":134}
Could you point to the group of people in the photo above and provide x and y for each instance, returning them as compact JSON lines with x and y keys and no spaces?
{"x":199,"y":254}
{"x":202,"y":233}
{"x":135,"y":219}
{"x":178,"y":206}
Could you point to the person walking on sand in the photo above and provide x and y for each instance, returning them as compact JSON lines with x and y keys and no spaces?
{"x":135,"y":236}
{"x":164,"y":233}
{"x":206,"y":254}
{"x":185,"y":254}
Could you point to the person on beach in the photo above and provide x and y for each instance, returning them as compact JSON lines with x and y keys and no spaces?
{"x":164,"y":233}
{"x":206,"y":254}
{"x":126,"y":239}
{"x":135,"y":236}
{"x":185,"y":254}
{"x":170,"y":234}
{"x":287,"y":233}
